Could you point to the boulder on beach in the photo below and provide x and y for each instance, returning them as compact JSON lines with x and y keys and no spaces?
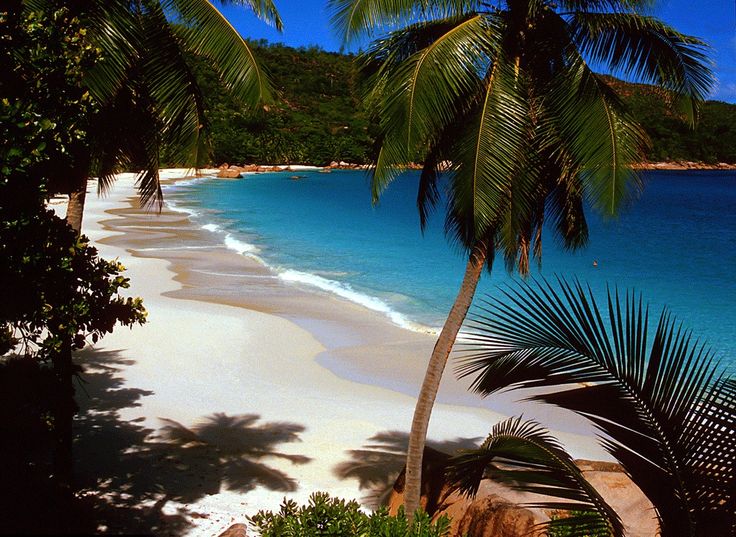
{"x":236,"y":530}
{"x":499,"y":511}
{"x":230,"y":173}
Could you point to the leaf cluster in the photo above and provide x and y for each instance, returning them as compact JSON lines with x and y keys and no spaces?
{"x":328,"y":516}
{"x":44,"y":106}
{"x":663,"y":405}
{"x":56,"y":290}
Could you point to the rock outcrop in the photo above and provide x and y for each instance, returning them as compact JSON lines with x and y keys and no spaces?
{"x":230,"y":173}
{"x":499,"y":511}
{"x":236,"y":530}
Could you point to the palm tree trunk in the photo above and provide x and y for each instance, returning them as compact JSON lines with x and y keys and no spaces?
{"x":75,"y":209}
{"x":433,"y":375}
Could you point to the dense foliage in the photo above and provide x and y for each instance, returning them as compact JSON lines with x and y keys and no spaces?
{"x":318,"y":117}
{"x":713,"y":140}
{"x":327,"y":516}
{"x":44,"y":109}
{"x":54,"y":285}
{"x":56,"y":291}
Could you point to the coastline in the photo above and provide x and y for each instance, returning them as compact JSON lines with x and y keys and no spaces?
{"x":684,"y":166}
{"x":227,"y":171}
{"x":226,"y":337}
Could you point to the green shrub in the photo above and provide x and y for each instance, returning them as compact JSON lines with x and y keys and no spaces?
{"x":572,"y":525}
{"x":326,"y":516}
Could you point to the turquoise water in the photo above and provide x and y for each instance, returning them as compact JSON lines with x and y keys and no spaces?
{"x":677,"y":244}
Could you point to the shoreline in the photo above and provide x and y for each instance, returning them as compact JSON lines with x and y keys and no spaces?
{"x":684,"y":166}
{"x":227,"y":171}
{"x":225,"y":337}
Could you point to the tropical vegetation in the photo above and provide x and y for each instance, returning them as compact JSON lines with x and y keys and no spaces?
{"x":501,"y":97}
{"x":149,"y":106}
{"x":89,"y":88}
{"x":317,"y":118}
{"x":664,"y":407}
{"x":318,"y":96}
{"x":57,"y":293}
{"x":328,"y":516}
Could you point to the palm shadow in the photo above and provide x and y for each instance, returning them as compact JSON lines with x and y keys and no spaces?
{"x":379,"y":462}
{"x":130,"y":471}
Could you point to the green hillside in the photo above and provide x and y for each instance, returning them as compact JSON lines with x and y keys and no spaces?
{"x":318,"y":118}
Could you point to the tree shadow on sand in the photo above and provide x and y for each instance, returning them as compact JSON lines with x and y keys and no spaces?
{"x":129,"y":472}
{"x":380,"y":461}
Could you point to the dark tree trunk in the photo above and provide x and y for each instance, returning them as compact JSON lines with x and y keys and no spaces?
{"x":63,"y":413}
{"x":75,"y":209}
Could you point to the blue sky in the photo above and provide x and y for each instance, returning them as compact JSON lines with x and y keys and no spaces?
{"x":307,"y":23}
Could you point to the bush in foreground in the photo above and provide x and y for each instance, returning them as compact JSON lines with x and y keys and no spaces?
{"x":327,"y":516}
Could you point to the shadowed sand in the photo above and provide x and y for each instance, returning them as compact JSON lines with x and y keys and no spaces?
{"x":252,"y":387}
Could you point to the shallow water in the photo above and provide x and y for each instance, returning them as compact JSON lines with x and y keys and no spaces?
{"x":677,"y":245}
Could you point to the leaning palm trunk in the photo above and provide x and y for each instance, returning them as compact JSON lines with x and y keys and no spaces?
{"x":433,"y":375}
{"x":75,"y":209}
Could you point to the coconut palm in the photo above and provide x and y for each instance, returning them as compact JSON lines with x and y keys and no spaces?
{"x":501,"y":96}
{"x":149,"y":102}
{"x":662,"y":404}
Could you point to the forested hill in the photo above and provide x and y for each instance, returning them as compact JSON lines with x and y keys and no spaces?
{"x":318,"y":118}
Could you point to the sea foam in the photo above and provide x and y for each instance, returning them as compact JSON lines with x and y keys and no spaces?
{"x":346,"y":291}
{"x":243,"y":248}
{"x":184,"y":210}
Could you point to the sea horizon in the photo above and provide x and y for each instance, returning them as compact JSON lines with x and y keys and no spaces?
{"x":676,"y":245}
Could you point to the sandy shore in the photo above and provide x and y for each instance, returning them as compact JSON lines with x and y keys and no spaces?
{"x":243,"y":389}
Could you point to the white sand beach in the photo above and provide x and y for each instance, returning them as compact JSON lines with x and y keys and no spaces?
{"x":243,"y":389}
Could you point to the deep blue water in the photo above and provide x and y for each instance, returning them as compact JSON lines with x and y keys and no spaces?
{"x":677,"y":244}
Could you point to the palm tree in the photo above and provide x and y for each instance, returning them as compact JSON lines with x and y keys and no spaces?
{"x":662,"y":404}
{"x":149,"y":101}
{"x":502,"y":97}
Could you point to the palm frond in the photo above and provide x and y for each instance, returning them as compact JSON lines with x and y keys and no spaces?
{"x":127,"y":136}
{"x":173,"y":86}
{"x":654,"y":394}
{"x":647,"y":50}
{"x":422,"y":94}
{"x":430,"y":83}
{"x":354,"y":18}
{"x":488,"y":154}
{"x":708,"y":441}
{"x":114,"y":29}
{"x":525,"y":456}
{"x":263,"y":9}
{"x":598,"y":6}
{"x":427,"y":192}
{"x":207,"y":33}
{"x":594,"y":136}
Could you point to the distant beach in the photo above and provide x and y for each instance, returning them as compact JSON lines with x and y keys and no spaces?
{"x":232,"y":352}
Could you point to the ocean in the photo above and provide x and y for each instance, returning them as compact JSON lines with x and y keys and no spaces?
{"x":676,"y":245}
